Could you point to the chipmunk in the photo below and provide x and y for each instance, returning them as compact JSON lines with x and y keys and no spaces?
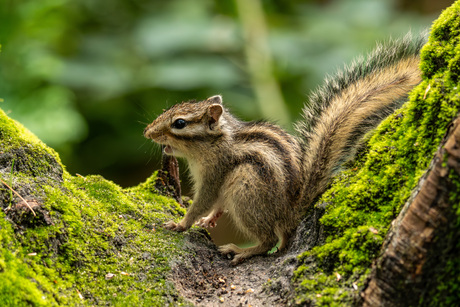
{"x":265,"y":178}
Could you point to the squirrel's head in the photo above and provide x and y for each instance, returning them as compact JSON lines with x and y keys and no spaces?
{"x":188,"y":128}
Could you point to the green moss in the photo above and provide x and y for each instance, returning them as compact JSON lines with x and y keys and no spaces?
{"x":17,"y":287}
{"x":363,"y":200}
{"x":15,"y":135}
{"x":97,"y":229}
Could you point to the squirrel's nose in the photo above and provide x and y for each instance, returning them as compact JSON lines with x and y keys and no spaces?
{"x":151,"y":132}
{"x":146,"y":131}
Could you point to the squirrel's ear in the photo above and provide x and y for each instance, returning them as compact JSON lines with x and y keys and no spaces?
{"x":214,"y":112}
{"x":215,"y":99}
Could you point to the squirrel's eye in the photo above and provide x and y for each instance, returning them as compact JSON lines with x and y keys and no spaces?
{"x":179,"y":123}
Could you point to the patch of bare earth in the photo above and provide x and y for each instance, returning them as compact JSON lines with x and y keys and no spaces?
{"x":208,"y":278}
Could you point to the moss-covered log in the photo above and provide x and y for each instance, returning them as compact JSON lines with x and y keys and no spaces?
{"x":91,"y":242}
{"x":421,"y":253}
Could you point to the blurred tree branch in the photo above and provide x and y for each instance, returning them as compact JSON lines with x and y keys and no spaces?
{"x":259,"y":61}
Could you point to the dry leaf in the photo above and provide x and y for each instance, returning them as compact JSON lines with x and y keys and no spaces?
{"x":373,"y":230}
{"x":427,"y":90}
{"x":78,"y":175}
{"x":109,"y":276}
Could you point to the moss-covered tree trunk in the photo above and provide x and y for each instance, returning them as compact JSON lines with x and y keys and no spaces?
{"x":420,"y":261}
{"x":91,"y":242}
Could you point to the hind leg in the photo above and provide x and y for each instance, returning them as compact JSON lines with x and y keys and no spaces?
{"x":230,"y":249}
{"x":254,"y":210}
{"x":240,"y":254}
{"x":284,"y":237}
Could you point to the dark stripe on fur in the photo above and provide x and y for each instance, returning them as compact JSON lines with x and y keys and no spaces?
{"x":257,"y":161}
{"x":283,"y":134}
{"x":198,"y":138}
{"x":254,"y":159}
{"x":263,"y":138}
{"x":292,"y":173}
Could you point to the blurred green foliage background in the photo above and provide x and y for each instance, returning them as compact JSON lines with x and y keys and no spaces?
{"x":87,"y":76}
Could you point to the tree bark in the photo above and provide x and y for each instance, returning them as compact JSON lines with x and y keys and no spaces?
{"x":167,"y":181}
{"x":416,"y":246}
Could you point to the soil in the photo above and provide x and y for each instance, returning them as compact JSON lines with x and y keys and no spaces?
{"x":208,"y":278}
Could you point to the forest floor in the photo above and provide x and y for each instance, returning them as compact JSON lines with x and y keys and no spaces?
{"x":209,"y":279}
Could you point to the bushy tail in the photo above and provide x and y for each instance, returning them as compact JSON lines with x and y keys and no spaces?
{"x":350,"y":104}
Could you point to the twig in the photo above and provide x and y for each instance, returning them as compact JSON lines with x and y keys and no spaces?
{"x":18,"y":196}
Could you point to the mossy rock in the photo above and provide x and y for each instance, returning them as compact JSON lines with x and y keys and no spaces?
{"x":90,"y":241}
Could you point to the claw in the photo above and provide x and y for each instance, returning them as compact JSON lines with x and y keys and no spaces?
{"x":207,"y":222}
{"x":210,"y":221}
{"x":237,"y":260}
{"x":171,"y":225}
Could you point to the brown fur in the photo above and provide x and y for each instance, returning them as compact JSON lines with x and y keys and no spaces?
{"x":262,"y":176}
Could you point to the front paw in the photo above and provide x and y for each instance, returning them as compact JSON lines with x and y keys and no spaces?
{"x":207,"y":222}
{"x":171,"y":225}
